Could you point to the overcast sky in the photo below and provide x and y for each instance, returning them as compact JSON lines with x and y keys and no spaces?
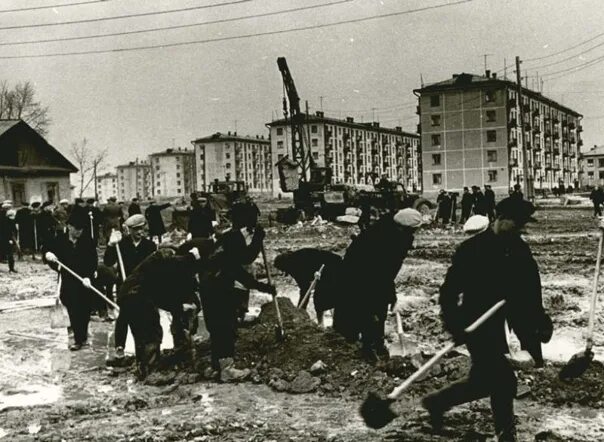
{"x":138,"y":102}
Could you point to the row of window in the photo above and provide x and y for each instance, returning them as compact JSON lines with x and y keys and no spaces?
{"x":590,"y":162}
{"x":437,"y":178}
{"x":489,"y":97}
{"x":491,"y":157}
{"x":436,"y":118}
{"x":491,"y":137}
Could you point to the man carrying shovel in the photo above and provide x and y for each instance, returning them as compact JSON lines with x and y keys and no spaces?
{"x":77,"y":252}
{"x":489,"y":267}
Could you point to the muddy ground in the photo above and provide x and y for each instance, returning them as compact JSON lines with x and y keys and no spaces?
{"x":48,"y":393}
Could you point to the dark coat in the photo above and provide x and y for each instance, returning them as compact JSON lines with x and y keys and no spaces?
{"x":80,"y":257}
{"x":8,"y":233}
{"x":444,"y":207}
{"x":131,"y":255}
{"x":489,"y":197}
{"x":154,"y":219}
{"x":302,"y":265}
{"x":486,"y":269}
{"x":480,"y":206}
{"x":25,"y":221}
{"x":112,"y":218}
{"x":200,"y":222}
{"x":46,"y":226}
{"x":134,"y":209}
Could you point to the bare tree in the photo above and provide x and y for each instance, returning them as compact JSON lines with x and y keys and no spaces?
{"x":89,"y":163}
{"x":20,"y":103}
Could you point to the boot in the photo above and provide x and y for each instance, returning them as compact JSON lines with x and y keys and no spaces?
{"x":436,"y":414}
{"x":507,"y":434}
{"x":228,"y":372}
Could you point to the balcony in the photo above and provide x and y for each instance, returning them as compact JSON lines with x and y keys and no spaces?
{"x":556,"y":135}
{"x":548,"y":133}
{"x":527,"y":126}
{"x":537,"y":147}
{"x":556,"y":150}
{"x":513,"y":162}
{"x":512,"y":123}
{"x":537,"y":165}
{"x":571,"y":125}
{"x":529,"y":145}
{"x":573,"y":140}
{"x":526,"y":107}
{"x":513,"y":143}
{"x":564,"y":123}
{"x":418,"y":110}
{"x":580,"y":143}
{"x":537,"y":129}
{"x":556,"y":120}
{"x":548,"y":165}
{"x":512,"y":102}
{"x":555,"y":166}
{"x":579,"y":128}
{"x":419,"y":128}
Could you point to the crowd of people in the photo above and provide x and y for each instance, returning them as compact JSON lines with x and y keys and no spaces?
{"x":209,"y":272}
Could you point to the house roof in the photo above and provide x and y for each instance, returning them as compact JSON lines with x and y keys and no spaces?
{"x":594,"y":151}
{"x":218,"y":136}
{"x":349,"y":122}
{"x":172,"y":152}
{"x":63,"y":164}
{"x":473,"y":81}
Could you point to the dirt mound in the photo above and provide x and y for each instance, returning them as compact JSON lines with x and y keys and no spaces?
{"x":587,"y":390}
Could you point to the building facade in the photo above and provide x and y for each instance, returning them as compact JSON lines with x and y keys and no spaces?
{"x":471,"y":134}
{"x":356,"y":153}
{"x":31,"y":170}
{"x":173,"y":173}
{"x":229,"y":157}
{"x":134,"y":180}
{"x":592,"y":167}
{"x":106,"y":186}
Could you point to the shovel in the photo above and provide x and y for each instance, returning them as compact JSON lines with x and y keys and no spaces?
{"x":406,"y":346}
{"x":304,"y":301}
{"x":120,"y":261}
{"x":58,"y":313}
{"x":279,"y":330}
{"x":376,"y":412}
{"x":581,"y":361}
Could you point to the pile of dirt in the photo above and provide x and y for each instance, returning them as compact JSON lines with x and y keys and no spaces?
{"x":587,"y":390}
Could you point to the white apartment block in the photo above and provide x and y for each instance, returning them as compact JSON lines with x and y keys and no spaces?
{"x":106,"y":186}
{"x":134,"y":181}
{"x":172,"y":173}
{"x":357,"y":153}
{"x":229,"y":157}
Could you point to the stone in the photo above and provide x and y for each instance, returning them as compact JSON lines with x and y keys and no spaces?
{"x":318,"y":367}
{"x":304,"y":383}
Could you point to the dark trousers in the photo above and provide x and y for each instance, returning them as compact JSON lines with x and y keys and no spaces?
{"x":121,"y":330}
{"x":372,"y":326}
{"x":143,"y":318}
{"x":465,"y":214}
{"x":79,"y":317}
{"x":220,"y":314}
{"x":490,"y":377}
{"x":597,"y":209}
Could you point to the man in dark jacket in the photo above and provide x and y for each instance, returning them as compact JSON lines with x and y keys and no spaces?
{"x":8,"y":237}
{"x":467,"y":202}
{"x":134,"y":248}
{"x":597,"y":198}
{"x":480,"y":207}
{"x":517,"y":192}
{"x":46,"y":225}
{"x":77,"y":251}
{"x":25,"y":225}
{"x":112,"y":216}
{"x":489,"y":200}
{"x":444,"y":207}
{"x":154,"y":219}
{"x":302,"y":265}
{"x":479,"y":277}
{"x":370,"y":266}
{"x":134,"y":208}
{"x":200,"y":218}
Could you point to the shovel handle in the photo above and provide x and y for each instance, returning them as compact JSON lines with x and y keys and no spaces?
{"x":120,"y":261}
{"x":312,"y":286}
{"x":399,"y":332}
{"x":268,"y":277}
{"x":438,"y":356}
{"x":594,"y":295}
{"x":94,"y":289}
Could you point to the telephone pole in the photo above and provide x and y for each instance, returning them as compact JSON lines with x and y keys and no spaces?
{"x":485,"y":60}
{"x":525,"y":170}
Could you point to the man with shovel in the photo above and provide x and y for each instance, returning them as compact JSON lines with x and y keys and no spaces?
{"x":134,"y":248}
{"x":78,"y":252}
{"x":489,"y":267}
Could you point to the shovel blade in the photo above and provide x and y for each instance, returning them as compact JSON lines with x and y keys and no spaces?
{"x":58,"y":316}
{"x":577,"y":365}
{"x":376,"y":412}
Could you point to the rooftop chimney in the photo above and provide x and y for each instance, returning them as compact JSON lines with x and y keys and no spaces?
{"x":488,"y":73}
{"x":320,"y":114}
{"x":495,"y":75}
{"x":229,"y":132}
{"x":350,"y":119}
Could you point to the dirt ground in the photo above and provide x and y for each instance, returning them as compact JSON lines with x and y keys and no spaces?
{"x":48,"y":393}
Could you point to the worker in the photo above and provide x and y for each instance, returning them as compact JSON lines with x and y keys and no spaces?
{"x":480,"y":207}
{"x":61,"y":214}
{"x":46,"y":224}
{"x":302,"y":265}
{"x":467,"y":202}
{"x":597,"y":198}
{"x":201,"y":218}
{"x":111,"y":216}
{"x":25,"y":226}
{"x":134,"y":248}
{"x":370,"y":266}
{"x":489,"y":201}
{"x":486,"y":268}
{"x":155,"y":221}
{"x":78,"y":252}
{"x":517,"y":192}
{"x":8,"y":237}
{"x":444,"y":207}
{"x":134,"y":208}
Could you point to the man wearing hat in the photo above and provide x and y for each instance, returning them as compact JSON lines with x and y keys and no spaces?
{"x":370,"y":266}
{"x":8,"y":237}
{"x":134,"y":248}
{"x":25,"y":226}
{"x":78,"y":252}
{"x":134,"y":208}
{"x":480,"y":207}
{"x":61,"y":214}
{"x":467,"y":202}
{"x":154,"y":219}
{"x":486,"y":268}
{"x":46,"y":224}
{"x":201,"y":217}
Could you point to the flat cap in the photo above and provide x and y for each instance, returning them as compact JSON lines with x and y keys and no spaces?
{"x":64,"y":201}
{"x":90,"y":201}
{"x":516,"y":209}
{"x":6,"y":204}
{"x":476,"y":224}
{"x":135,"y":221}
{"x":408,"y":217}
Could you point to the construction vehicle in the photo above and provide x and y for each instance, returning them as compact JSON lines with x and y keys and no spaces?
{"x":313,"y":190}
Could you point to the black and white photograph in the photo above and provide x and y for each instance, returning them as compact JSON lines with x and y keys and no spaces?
{"x":301,"y":220}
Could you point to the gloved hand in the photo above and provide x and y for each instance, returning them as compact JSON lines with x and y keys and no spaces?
{"x":195,"y":252}
{"x":50,"y":257}
{"x":214,"y":223}
{"x":267,"y":288}
{"x":189,"y":236}
{"x":86,"y":283}
{"x":114,"y":238}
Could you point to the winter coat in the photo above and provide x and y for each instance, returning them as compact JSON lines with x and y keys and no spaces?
{"x":200,"y":222}
{"x":154,"y":219}
{"x":132,"y":255}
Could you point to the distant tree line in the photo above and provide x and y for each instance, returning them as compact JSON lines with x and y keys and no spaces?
{"x":19,"y":102}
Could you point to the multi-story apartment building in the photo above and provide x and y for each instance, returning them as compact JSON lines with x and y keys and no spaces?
{"x":356,"y":153}
{"x":229,"y":157}
{"x":134,"y":180}
{"x":172,"y":172}
{"x":592,"y":167}
{"x":471,"y":134}
{"x":106,"y":186}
